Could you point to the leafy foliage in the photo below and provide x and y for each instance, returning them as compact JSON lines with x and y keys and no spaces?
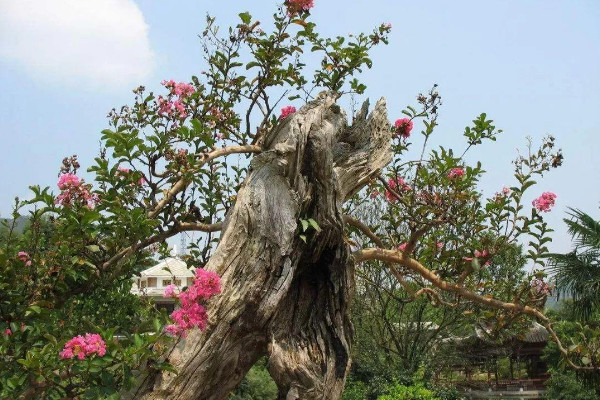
{"x":577,"y":273}
{"x":416,"y":392}
{"x":174,"y":161}
{"x":565,"y":386}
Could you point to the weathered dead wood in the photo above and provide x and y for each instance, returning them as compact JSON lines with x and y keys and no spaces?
{"x":281,"y":296}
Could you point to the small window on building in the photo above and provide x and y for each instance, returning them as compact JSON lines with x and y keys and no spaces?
{"x":151,"y":282}
{"x":166,"y":282}
{"x":177,"y":282}
{"x":189,"y":281}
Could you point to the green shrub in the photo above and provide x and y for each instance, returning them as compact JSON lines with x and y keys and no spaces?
{"x":448,"y":393}
{"x":401,"y":392}
{"x":355,"y":390}
{"x":566,"y":386}
{"x":257,"y":384}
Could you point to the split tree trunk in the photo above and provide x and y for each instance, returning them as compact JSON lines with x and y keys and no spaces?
{"x":282,"y":297}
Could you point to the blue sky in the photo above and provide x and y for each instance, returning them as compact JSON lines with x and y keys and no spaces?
{"x":532,"y":66}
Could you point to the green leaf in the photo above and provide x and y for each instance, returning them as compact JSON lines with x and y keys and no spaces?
{"x":304,"y":225}
{"x":245,"y":17}
{"x":33,"y":309}
{"x":314,"y":224}
{"x":93,"y":248}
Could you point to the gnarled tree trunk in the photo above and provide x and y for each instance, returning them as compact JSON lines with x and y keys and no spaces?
{"x":283,"y":297}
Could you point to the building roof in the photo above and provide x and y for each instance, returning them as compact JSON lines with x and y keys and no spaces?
{"x":168,"y":267}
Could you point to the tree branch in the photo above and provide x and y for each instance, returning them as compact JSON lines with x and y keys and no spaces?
{"x":393,"y":256}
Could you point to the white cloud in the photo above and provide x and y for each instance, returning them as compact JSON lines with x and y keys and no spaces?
{"x":100,"y":43}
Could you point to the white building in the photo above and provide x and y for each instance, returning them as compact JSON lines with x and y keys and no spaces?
{"x":153,"y":281}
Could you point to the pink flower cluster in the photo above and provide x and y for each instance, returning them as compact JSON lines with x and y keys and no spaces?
{"x":539,"y":286}
{"x":23,"y":256}
{"x":192,"y":314}
{"x":169,"y":291}
{"x":398,"y":185}
{"x":286,"y":112}
{"x":172,"y":106}
{"x":74,"y":189}
{"x":478,"y":254}
{"x":545,"y":202}
{"x":403,"y":127}
{"x":296,"y":6}
{"x":500,"y":197}
{"x":7,"y":332}
{"x":402,"y":246}
{"x":456,"y":173}
{"x":181,"y":89}
{"x":82,"y":347}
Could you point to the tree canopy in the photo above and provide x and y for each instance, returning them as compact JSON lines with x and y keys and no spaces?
{"x":257,"y":154}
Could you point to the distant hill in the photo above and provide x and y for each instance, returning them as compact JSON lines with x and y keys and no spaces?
{"x":20,"y":223}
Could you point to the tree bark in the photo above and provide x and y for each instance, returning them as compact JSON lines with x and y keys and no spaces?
{"x":281,"y":296}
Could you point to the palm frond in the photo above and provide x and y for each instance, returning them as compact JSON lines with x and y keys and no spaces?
{"x":584,"y":230}
{"x":577,"y":273}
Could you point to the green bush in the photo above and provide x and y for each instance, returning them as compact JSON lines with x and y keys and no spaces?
{"x":445,"y":393}
{"x":355,"y":390}
{"x":566,"y":386}
{"x":401,"y":392}
{"x":257,"y":384}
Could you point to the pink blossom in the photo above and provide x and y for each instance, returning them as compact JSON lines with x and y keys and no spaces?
{"x":169,"y":291}
{"x":545,"y":202}
{"x":183,"y":89}
{"x":180,"y":108}
{"x":68,"y":181}
{"x":439,"y":245}
{"x":287,"y":111}
{"x":403,"y":127}
{"x":456,"y":173}
{"x":180,"y":89}
{"x":505,"y":191}
{"x":164,"y":106}
{"x":81,"y":347}
{"x":399,"y":185}
{"x":172,"y":330}
{"x":387,"y":25}
{"x":7,"y":332}
{"x":539,"y":286}
{"x":168,"y":84}
{"x":74,"y":190}
{"x":296,"y":6}
{"x":374,"y":194}
{"x":23,"y":256}
{"x":94,"y":344}
{"x":192,"y":314}
{"x":74,"y":348}
{"x":402,"y":246}
{"x":208,"y":283}
{"x":478,"y":254}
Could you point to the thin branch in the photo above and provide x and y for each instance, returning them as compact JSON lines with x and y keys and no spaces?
{"x":392,"y":256}
{"x":183,"y":183}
